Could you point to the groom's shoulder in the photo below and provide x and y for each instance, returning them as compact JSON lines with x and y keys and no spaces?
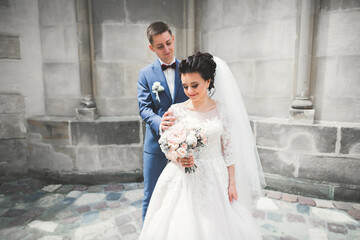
{"x":148,"y":67}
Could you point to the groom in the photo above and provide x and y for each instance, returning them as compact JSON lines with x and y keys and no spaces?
{"x":159,"y":86}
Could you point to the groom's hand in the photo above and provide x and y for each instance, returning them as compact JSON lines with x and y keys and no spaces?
{"x":167,"y":121}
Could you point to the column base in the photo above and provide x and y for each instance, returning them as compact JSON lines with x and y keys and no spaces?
{"x":305,"y":116}
{"x":87,"y":113}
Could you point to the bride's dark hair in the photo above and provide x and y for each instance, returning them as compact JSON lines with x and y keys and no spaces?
{"x":202,"y":63}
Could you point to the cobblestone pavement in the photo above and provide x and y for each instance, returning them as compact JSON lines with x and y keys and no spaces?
{"x":32,"y":209}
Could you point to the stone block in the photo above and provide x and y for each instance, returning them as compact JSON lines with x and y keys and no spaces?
{"x":61,"y":106}
{"x":12,"y":126}
{"x":13,"y":157}
{"x":329,"y":169}
{"x":269,"y":10}
{"x":87,"y":114}
{"x":273,"y":78}
{"x":124,"y":159}
{"x":130,"y":79}
{"x":244,"y":73}
{"x":338,"y":5}
{"x":40,"y":156}
{"x":348,"y":194}
{"x":11,"y":103}
{"x":297,"y":187}
{"x":117,"y":106}
{"x":297,"y":138}
{"x":110,"y":80}
{"x":274,"y":162}
{"x":4,"y":3}
{"x":337,"y":35}
{"x":119,"y":43}
{"x":61,"y":80}
{"x":148,"y":11}
{"x":350,"y":140}
{"x":267,"y":106}
{"x":211,"y":21}
{"x":10,"y":47}
{"x":54,"y":131}
{"x":105,"y":132}
{"x":87,"y":159}
{"x":110,"y":11}
{"x":302,"y":116}
{"x":57,"y":12}
{"x":59,"y":44}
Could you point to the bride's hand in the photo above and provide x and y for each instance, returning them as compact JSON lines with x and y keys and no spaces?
{"x":232,"y":193}
{"x":187,"y":162}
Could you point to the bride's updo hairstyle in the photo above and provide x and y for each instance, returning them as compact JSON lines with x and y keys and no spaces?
{"x":202,"y":63}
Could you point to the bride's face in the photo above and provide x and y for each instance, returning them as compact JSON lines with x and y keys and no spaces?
{"x":195,"y":87}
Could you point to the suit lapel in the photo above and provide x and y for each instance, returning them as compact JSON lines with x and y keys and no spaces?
{"x":159,"y":74}
{"x":177,"y":81}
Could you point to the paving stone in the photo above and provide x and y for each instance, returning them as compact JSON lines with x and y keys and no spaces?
{"x":324,"y":203}
{"x":354,"y":213}
{"x":137,"y":214}
{"x":43,"y":225}
{"x":307,"y":201}
{"x":90,"y":217}
{"x":34,"y":212}
{"x":50,"y":200}
{"x":356,"y":206}
{"x":270,"y":237}
{"x":70,"y":220}
{"x":337,"y":228}
{"x":80,"y":188}
{"x":288,"y":238}
{"x":105,"y":215}
{"x":65,"y":189}
{"x":350,"y":226}
{"x":64,"y":214}
{"x":134,"y":195}
{"x":68,"y":201}
{"x":83,"y":209}
{"x":317,"y":234}
{"x":89,"y":198}
{"x":269,"y":227}
{"x":51,"y":188}
{"x":34,"y":197}
{"x":318,"y":222}
{"x":295,"y":218}
{"x":273,"y":195}
{"x":265,"y":203}
{"x":121,"y":220}
{"x":100,"y":205}
{"x":14,"y":213}
{"x":342,"y":205}
{"x":330,"y":215}
{"x":95,"y":189}
{"x":51,"y":237}
{"x":127,"y":229}
{"x":258,"y":214}
{"x":22,"y":220}
{"x":303,"y":208}
{"x":137,"y":204}
{"x":276,"y":217}
{"x":74,"y":194}
{"x":114,"y":187}
{"x":113,"y":196}
{"x":289,"y":197}
{"x":132,"y":186}
{"x":113,"y":204}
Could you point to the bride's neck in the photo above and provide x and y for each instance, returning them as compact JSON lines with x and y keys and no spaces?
{"x":201,"y":105}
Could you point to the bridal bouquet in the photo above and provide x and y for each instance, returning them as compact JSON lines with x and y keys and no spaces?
{"x":182,"y":142}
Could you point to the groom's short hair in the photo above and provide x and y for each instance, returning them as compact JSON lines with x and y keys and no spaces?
{"x":157,"y":28}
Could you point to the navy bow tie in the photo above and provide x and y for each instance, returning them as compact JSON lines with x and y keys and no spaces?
{"x":164,"y":66}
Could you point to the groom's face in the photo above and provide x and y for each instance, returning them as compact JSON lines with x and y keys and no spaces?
{"x":163,"y":46}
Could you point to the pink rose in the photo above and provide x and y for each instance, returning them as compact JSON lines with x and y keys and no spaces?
{"x":177,"y":134}
{"x":181,"y":152}
{"x":172,"y":155}
{"x":173,"y":145}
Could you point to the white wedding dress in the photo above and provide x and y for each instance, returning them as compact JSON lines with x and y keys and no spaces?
{"x":196,"y":206}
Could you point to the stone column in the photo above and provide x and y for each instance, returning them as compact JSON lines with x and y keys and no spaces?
{"x":190,"y":27}
{"x":302,"y":107}
{"x":87,"y":108}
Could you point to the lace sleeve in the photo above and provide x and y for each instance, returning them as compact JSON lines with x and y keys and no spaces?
{"x":226,"y":146}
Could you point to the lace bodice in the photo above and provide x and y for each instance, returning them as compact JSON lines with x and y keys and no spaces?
{"x":212,"y":124}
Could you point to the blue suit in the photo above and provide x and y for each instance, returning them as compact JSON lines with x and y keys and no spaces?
{"x":151,"y":111}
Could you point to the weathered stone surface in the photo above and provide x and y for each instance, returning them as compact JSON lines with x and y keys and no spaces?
{"x":43,"y":226}
{"x":13,"y":154}
{"x":54,"y":131}
{"x":148,"y":11}
{"x":323,"y":203}
{"x":338,"y":5}
{"x":298,"y":187}
{"x":110,"y":79}
{"x":118,"y":106}
{"x":295,"y":218}
{"x":121,"y":158}
{"x":267,"y":106}
{"x":89,"y":198}
{"x":59,"y":106}
{"x":56,"y":12}
{"x":343,"y":193}
{"x":299,"y":138}
{"x":87,"y":159}
{"x":4,"y":3}
{"x":337,"y":228}
{"x":11,"y":103}
{"x":329,"y":169}
{"x":302,"y":116}
{"x":354,"y":213}
{"x":9,"y":47}
{"x":350,"y":140}
{"x":105,"y":132}
{"x":281,"y":163}
{"x":289,"y":198}
{"x":12,"y":126}
{"x":110,"y":11}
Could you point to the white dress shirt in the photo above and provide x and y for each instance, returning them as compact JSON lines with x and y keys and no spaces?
{"x":170,"y":77}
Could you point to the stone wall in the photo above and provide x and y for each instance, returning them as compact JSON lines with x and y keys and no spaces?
{"x":20,"y":54}
{"x":121,"y":48}
{"x":13,"y":137}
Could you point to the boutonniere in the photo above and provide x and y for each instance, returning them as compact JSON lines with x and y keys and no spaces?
{"x":156,"y":88}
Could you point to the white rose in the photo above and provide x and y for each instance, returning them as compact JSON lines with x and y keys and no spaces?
{"x":191,"y":140}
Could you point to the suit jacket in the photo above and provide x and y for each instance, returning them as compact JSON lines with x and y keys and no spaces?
{"x":151,"y":110}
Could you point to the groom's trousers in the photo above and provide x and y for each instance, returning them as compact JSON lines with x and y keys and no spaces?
{"x":153,"y":166}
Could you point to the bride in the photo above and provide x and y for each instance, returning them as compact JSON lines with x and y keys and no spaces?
{"x":214,"y":200}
